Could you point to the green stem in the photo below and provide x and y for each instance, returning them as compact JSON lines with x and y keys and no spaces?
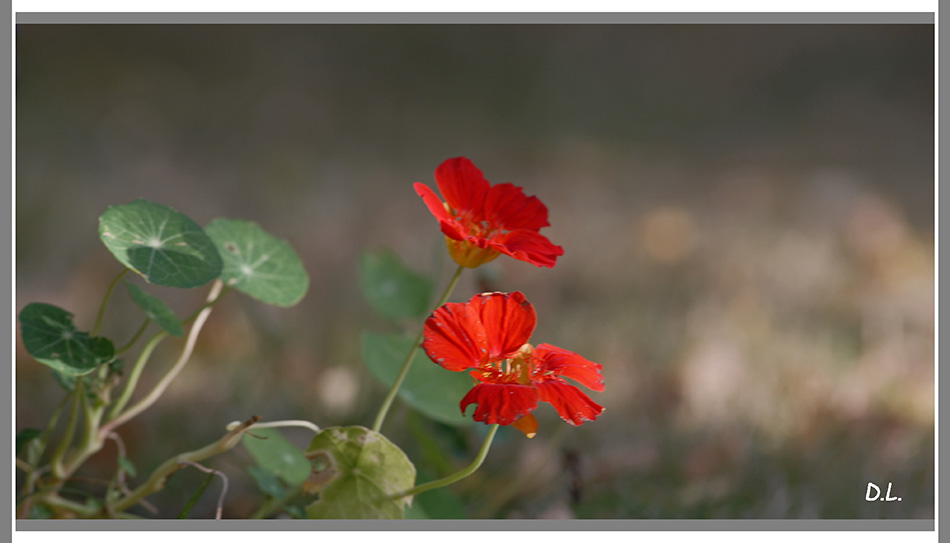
{"x":58,"y":503}
{"x":105,"y":300}
{"x":57,"y":459}
{"x":156,"y":480}
{"x":194,"y":499}
{"x":524,"y":481}
{"x":32,"y":474}
{"x":388,"y":401}
{"x":90,"y":443}
{"x":213,"y":298}
{"x":173,"y":372}
{"x":457,"y":476}
{"x":136,"y":373}
{"x":135,"y":338}
{"x":50,"y":426}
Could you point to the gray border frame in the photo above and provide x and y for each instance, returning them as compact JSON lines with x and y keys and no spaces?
{"x":883,"y":525}
{"x":475,"y":18}
{"x":469,"y":18}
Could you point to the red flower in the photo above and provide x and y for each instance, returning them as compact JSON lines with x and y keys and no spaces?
{"x":489,"y":336}
{"x":481,"y":221}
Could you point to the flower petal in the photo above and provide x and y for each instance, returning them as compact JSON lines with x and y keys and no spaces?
{"x":506,"y":206}
{"x":463,"y":186}
{"x":454,"y":338}
{"x":528,"y":425}
{"x":450,"y":226}
{"x":568,"y":364}
{"x":574,"y":406}
{"x":528,"y":246}
{"x":500,"y":404}
{"x":508,"y":319}
{"x":431,"y":200}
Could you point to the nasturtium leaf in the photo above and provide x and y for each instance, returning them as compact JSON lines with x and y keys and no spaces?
{"x":392,"y":289}
{"x":50,"y":337}
{"x":429,"y":388}
{"x":159,"y":243}
{"x":361,"y":469}
{"x":259,"y":264}
{"x":156,"y":310}
{"x":277,"y":455}
{"x":25,"y":436}
{"x":267,"y":482}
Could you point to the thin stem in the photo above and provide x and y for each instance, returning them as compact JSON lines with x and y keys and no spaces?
{"x":281,"y":424}
{"x":213,"y":298}
{"x":388,"y":401}
{"x":521,"y":484}
{"x":57,"y":502}
{"x":119,"y":477}
{"x":133,"y":380}
{"x":159,"y":389}
{"x":91,"y":442}
{"x":90,"y":426}
{"x":135,"y":338}
{"x":50,"y":426}
{"x":198,"y":493}
{"x":211,"y":473}
{"x":156,"y":480}
{"x":105,"y":300}
{"x":57,"y":460}
{"x":457,"y":476}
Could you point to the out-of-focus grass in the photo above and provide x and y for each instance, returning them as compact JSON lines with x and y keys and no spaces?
{"x":746,"y":213}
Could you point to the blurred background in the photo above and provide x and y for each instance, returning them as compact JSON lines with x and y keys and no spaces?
{"x":747,"y":215}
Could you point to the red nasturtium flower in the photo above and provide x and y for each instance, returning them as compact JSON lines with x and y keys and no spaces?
{"x":481,"y":221}
{"x":488,"y":335}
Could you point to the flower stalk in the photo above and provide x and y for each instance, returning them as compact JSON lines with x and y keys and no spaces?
{"x":407,"y":363}
{"x":105,"y":300}
{"x":457,"y":476}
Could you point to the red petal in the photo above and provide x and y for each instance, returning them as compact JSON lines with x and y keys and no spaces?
{"x":574,"y":406}
{"x":454,"y":338}
{"x":528,"y":246}
{"x":500,"y":404}
{"x":463,"y":186}
{"x":506,"y":206}
{"x":508,"y":319}
{"x":432,"y":201}
{"x":450,"y":226}
{"x":571,"y":365}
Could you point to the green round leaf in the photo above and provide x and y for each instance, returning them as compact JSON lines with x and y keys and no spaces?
{"x":273,"y":452}
{"x":156,"y":310}
{"x":50,"y":337}
{"x":164,"y":246}
{"x":355,"y":471}
{"x":431,"y":389}
{"x":259,"y":264}
{"x":392,"y":289}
